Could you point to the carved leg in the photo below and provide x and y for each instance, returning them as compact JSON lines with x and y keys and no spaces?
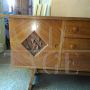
{"x":32,"y":78}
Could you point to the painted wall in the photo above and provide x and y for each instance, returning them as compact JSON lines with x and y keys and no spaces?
{"x":71,"y":8}
{"x":1,"y":6}
{"x":2,"y":35}
{"x":55,"y":8}
{"x":5,"y":7}
{"x":21,"y":6}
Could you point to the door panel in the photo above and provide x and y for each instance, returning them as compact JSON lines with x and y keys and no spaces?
{"x":35,"y":42}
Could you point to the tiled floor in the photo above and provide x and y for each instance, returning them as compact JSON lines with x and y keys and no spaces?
{"x":19,"y":78}
{"x":14,"y":78}
{"x":63,"y":82}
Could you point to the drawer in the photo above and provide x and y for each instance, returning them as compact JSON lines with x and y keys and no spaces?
{"x":76,"y":61}
{"x":77,"y":28}
{"x":76,"y":44}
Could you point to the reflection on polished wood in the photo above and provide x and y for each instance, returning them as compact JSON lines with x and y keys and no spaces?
{"x":76,"y":36}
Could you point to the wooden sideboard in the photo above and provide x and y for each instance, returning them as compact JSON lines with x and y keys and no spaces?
{"x":64,"y":41}
{"x":50,"y":43}
{"x":54,"y":43}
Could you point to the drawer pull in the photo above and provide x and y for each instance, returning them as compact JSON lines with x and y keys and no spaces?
{"x":56,"y":45}
{"x":73,"y":46}
{"x":75,"y":29}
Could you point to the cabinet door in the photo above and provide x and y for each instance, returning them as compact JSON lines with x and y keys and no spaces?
{"x":35,"y":42}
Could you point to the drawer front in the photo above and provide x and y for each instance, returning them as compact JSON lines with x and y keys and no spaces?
{"x":77,"y":28}
{"x":76,"y":61}
{"x":76,"y":44}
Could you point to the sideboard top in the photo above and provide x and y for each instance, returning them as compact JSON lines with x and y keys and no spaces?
{"x":45,"y":17}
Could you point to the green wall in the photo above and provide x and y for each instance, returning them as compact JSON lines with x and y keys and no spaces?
{"x":2,"y":35}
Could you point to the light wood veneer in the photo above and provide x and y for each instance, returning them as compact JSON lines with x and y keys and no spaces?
{"x":67,"y":42}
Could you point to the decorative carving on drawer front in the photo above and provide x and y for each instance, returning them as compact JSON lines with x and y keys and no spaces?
{"x":33,"y":43}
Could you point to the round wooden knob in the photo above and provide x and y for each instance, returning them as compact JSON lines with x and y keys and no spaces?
{"x":56,"y":45}
{"x":75,"y":29}
{"x":73,"y":46}
{"x":76,"y":54}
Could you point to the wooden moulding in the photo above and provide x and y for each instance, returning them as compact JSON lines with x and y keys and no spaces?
{"x":48,"y":17}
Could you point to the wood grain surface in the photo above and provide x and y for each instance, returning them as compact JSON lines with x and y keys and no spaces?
{"x":59,"y":34}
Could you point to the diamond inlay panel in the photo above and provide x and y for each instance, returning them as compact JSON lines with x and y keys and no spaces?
{"x":33,"y":43}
